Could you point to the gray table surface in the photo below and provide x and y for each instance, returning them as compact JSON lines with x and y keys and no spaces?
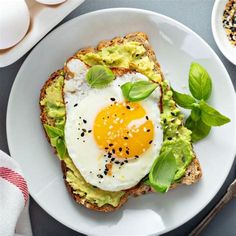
{"x":196,"y":14}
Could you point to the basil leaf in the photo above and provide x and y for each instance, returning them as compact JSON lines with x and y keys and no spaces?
{"x":212,"y":117}
{"x":183,"y":100}
{"x":53,"y":132}
{"x":125,"y":89}
{"x":99,"y":76}
{"x":200,"y":83}
{"x":199,"y":129}
{"x":163,"y":171}
{"x":195,"y":112}
{"x":139,"y":90}
{"x":61,"y":148}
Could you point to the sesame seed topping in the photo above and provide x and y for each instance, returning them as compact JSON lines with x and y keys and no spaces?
{"x":85,"y":121}
{"x":113,"y":99}
{"x":76,"y":104}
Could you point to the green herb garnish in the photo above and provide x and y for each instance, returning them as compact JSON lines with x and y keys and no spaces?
{"x":138,"y":91}
{"x":56,"y":136}
{"x":202,"y":115}
{"x":200,"y":83}
{"x":163,"y":171}
{"x":99,"y":76}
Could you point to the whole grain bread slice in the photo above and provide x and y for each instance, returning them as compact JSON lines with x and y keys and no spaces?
{"x":193,"y":172}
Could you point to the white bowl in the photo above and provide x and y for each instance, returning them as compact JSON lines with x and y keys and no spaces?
{"x":218,"y":31}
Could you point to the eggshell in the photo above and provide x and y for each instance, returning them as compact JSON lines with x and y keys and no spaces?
{"x":50,"y":2}
{"x":14,"y":22}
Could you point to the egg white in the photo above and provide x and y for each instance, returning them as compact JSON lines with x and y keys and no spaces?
{"x":82,"y":106}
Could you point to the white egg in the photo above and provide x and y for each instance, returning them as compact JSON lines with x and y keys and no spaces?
{"x":14,"y":22}
{"x":98,"y":118}
{"x":50,"y":2}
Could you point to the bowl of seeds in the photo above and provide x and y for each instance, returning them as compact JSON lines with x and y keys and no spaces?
{"x":223,"y":24}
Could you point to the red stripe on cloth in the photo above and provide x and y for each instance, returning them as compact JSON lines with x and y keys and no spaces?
{"x":16,"y":179}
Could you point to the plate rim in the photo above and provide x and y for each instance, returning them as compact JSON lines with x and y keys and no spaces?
{"x":104,"y":11}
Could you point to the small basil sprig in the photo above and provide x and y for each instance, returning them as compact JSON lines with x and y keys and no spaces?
{"x":99,"y":76}
{"x":163,"y":171}
{"x":202,"y":116}
{"x":138,"y":91}
{"x":56,"y":137}
{"x":200,"y":83}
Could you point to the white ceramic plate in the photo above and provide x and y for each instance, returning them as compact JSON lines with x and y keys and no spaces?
{"x":176,"y":47}
{"x":218,"y":31}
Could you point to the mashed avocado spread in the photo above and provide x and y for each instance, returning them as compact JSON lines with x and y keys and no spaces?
{"x":128,"y":55}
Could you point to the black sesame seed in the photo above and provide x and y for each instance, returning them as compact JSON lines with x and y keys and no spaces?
{"x":113,"y":151}
{"x":100,"y":176}
{"x":112,"y":159}
{"x":120,"y":149}
{"x":172,"y":113}
{"x":127,"y":152}
{"x":106,"y":148}
{"x":110,"y":144}
{"x":148,"y":130}
{"x":126,"y":138}
{"x":76,"y":105}
{"x":105,"y":172}
{"x":84,"y":130}
{"x":122,"y":163}
{"x":113,"y":99}
{"x":147,"y":118}
{"x":85,"y":121}
{"x":128,"y":107}
{"x":117,"y":162}
{"x":89,"y":131}
{"x":150,"y":141}
{"x":169,"y":138}
{"x":126,"y":161}
{"x":82,"y":134}
{"x":136,"y":156}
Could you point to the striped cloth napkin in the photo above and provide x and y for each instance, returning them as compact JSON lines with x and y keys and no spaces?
{"x":14,"y":199}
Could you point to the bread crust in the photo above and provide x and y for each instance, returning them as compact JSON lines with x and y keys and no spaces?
{"x":193,"y":172}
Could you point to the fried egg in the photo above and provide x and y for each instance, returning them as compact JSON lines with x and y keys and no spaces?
{"x":111,"y":141}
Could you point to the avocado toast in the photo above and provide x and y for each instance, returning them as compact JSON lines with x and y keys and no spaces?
{"x":53,"y":114}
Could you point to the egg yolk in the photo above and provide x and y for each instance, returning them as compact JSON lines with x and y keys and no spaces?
{"x":123,"y":130}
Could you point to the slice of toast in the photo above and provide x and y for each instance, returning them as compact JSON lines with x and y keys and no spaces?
{"x":193,"y":172}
